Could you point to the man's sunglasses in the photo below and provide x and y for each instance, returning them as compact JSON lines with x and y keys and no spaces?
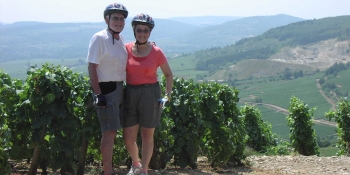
{"x":115,"y":18}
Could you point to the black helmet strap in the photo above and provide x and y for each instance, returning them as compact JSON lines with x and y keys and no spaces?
{"x":139,"y":44}
{"x":109,"y":28}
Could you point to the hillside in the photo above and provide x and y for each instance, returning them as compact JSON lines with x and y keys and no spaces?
{"x":275,"y":41}
{"x":231,"y":31}
{"x":309,"y":59}
{"x":204,"y":21}
{"x":37,"y":40}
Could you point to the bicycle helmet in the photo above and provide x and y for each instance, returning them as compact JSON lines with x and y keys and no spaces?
{"x":115,"y":8}
{"x":143,"y":19}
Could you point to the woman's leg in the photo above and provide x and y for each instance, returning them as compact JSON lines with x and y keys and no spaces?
{"x":147,"y":146}
{"x":130,"y":136}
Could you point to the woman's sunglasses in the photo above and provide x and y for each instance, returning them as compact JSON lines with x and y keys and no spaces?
{"x":145,"y":31}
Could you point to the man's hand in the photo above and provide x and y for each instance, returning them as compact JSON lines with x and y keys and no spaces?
{"x":100,"y":100}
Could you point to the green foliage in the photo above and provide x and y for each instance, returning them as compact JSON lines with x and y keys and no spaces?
{"x":163,"y":138}
{"x":47,"y":108}
{"x":188,"y":129}
{"x":8,"y":99}
{"x":163,"y":142}
{"x":224,"y":127}
{"x":300,"y":121}
{"x":342,"y":117}
{"x":282,"y":148}
{"x":201,"y":119}
{"x":54,"y":116}
{"x":336,"y":68}
{"x":259,"y":134}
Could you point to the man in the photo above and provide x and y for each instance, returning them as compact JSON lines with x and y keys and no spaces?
{"x":107,"y":58}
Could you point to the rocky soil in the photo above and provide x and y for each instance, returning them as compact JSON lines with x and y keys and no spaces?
{"x":255,"y":165}
{"x":274,"y":165}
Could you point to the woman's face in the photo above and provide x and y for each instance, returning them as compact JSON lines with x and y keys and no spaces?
{"x":142,"y":33}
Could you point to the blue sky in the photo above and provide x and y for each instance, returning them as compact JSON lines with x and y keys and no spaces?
{"x":92,"y":10}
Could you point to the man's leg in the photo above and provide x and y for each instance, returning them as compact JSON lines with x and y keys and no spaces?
{"x":107,"y":143}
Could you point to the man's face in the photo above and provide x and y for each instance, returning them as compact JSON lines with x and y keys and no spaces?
{"x":116,"y":22}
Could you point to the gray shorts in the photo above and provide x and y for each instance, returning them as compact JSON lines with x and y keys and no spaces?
{"x":142,"y":105}
{"x":111,"y":115}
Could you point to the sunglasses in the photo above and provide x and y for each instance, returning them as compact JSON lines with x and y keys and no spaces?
{"x":145,"y":31}
{"x":115,"y":18}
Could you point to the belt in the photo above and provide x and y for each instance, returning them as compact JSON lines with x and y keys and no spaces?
{"x":142,"y":85}
{"x":115,"y":82}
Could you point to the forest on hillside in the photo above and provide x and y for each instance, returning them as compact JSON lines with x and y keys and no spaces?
{"x":270,"y":42}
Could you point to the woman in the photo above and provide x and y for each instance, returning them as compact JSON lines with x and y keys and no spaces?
{"x":142,"y":106}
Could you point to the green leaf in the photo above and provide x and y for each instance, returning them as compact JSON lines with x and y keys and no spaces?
{"x":49,"y":98}
{"x":47,"y":138}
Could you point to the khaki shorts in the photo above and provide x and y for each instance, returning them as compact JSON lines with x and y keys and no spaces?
{"x":110,"y":116}
{"x":142,"y":105}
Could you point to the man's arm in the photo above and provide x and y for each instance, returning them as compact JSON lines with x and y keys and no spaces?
{"x":93,"y":77}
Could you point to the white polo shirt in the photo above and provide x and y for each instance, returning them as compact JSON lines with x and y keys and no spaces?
{"x":111,"y":59}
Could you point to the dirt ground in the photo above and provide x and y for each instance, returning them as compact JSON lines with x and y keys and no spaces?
{"x":255,"y":165}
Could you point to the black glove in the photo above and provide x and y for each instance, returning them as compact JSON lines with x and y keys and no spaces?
{"x":100,"y":100}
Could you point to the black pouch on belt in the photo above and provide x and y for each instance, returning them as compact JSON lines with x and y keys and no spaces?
{"x":107,"y":87}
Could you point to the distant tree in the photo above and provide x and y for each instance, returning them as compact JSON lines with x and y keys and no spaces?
{"x":211,"y":68}
{"x":287,"y":75}
{"x":321,"y":81}
{"x":258,"y":100}
{"x":300,"y":73}
{"x":329,"y":86}
{"x":81,"y":62}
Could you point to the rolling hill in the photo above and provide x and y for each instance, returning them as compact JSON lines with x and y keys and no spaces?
{"x":35,"y":40}
{"x":312,"y":43}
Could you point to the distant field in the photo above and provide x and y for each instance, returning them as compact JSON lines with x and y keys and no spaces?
{"x":342,"y":81}
{"x":279,"y":125}
{"x":258,"y":68}
{"x":182,"y":67}
{"x":279,"y":93}
{"x":328,"y":151}
{"x":18,"y":69}
{"x":277,"y":120}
